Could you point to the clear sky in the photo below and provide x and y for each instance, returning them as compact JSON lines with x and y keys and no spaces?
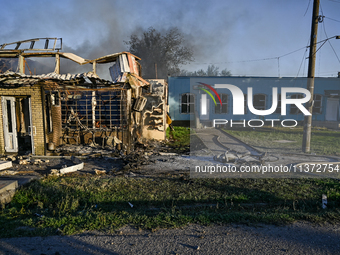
{"x":230,"y":34}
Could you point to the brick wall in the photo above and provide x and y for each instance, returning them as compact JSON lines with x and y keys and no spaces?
{"x":56,"y":133}
{"x":37,"y":115}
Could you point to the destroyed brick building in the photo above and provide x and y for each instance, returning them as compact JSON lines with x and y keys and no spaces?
{"x":41,"y":112}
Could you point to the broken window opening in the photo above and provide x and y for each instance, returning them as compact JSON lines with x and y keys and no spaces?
{"x":187,"y":103}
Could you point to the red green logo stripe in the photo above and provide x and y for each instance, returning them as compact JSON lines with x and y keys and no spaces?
{"x":213,"y":90}
{"x":208,"y":92}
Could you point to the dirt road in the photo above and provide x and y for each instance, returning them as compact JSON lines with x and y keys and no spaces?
{"x":298,"y":238}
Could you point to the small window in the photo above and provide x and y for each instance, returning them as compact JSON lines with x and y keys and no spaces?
{"x":278,"y":108}
{"x":259,"y":102}
{"x":245,"y":104}
{"x":293,"y":108}
{"x":187,"y":103}
{"x":317,"y":106}
{"x":224,"y":107}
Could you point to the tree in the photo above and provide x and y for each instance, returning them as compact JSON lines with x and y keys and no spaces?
{"x":161,"y":51}
{"x":212,"y":70}
{"x":225,"y":72}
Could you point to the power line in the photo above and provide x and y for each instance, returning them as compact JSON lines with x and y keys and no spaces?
{"x":332,"y":19}
{"x":334,"y":1}
{"x":251,"y":60}
{"x":307,"y":8}
{"x":292,"y":52}
{"x":324,"y":29}
{"x":302,"y":61}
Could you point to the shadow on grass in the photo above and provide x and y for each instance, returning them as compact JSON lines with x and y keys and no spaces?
{"x":64,"y":205}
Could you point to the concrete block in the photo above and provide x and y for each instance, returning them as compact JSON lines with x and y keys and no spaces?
{"x":6,"y":197}
{"x":71,"y":169}
{"x":8,"y":185}
{"x":5,"y":164}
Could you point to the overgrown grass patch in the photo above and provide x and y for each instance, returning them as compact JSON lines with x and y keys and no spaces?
{"x":69,"y":205}
{"x":184,"y":139}
{"x":323,"y":141}
{"x":179,"y":138}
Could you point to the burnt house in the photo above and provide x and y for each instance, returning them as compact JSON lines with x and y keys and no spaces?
{"x":41,"y":112}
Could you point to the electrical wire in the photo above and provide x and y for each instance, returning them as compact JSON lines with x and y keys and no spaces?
{"x":307,"y":8}
{"x":278,"y":57}
{"x":252,"y":60}
{"x":302,"y":61}
{"x":324,"y":29}
{"x":334,"y":1}
{"x":332,"y":19}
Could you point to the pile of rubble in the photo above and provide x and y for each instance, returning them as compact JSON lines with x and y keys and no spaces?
{"x":90,"y":159}
{"x":245,"y":158}
{"x":87,"y":150}
{"x":134,"y":160}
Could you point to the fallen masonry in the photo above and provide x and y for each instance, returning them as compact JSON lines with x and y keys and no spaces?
{"x":71,"y":169}
{"x":5,"y":164}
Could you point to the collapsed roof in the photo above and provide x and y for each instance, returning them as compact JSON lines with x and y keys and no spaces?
{"x":124,"y":69}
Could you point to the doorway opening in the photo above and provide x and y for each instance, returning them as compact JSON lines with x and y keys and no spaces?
{"x":17,"y":124}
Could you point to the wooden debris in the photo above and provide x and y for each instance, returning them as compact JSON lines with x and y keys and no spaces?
{"x":99,"y":172}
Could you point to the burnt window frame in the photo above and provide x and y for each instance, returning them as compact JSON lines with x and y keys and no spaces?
{"x":94,"y":109}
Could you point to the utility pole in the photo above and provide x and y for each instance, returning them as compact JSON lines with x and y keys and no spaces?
{"x":156,"y":70}
{"x":307,"y":129}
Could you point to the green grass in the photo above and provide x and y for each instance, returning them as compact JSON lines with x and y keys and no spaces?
{"x":179,"y":138}
{"x":323,"y":141}
{"x":71,"y":205}
{"x":183,"y":139}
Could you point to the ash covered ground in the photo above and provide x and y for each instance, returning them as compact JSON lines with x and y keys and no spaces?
{"x":150,"y":159}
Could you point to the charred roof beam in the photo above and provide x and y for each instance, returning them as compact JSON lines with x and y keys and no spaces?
{"x":32,"y":44}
